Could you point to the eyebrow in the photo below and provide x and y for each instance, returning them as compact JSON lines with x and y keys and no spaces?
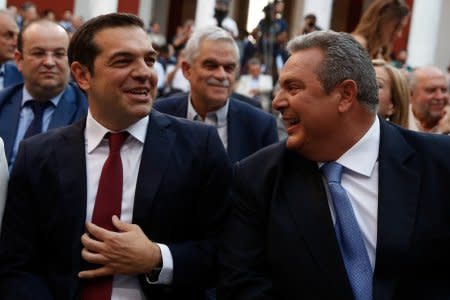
{"x":214,"y":61}
{"x":39,"y":48}
{"x":128,"y":54}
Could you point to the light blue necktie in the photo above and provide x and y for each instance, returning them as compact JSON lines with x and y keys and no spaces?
{"x":349,"y":235}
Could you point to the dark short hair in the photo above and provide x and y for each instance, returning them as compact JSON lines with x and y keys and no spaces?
{"x":82,"y":47}
{"x":22,"y":31}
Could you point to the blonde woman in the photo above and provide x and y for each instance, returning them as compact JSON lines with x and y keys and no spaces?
{"x":393,"y":93}
{"x":380,"y":25}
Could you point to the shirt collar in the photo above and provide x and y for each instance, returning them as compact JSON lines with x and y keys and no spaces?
{"x":2,"y":70}
{"x":219,"y":115}
{"x":95,"y":132}
{"x":361,"y":158}
{"x":27,"y":97}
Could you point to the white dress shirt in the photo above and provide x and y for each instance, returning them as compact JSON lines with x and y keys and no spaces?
{"x":97,"y":151}
{"x":360,"y":180}
{"x":3,"y":180}
{"x":216,"y":118}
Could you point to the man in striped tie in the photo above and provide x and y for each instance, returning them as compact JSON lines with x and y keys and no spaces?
{"x":349,"y":206}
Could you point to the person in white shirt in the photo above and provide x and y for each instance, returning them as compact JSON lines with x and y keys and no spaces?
{"x":128,"y":203}
{"x":256,"y":85}
{"x":349,"y":206}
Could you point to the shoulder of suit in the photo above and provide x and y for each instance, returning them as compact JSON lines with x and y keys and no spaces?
{"x":10,"y":91}
{"x":252,"y":110}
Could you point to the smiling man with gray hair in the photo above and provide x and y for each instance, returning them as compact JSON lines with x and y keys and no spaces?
{"x":210,"y":65}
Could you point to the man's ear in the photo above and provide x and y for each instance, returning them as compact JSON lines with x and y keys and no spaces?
{"x":186,"y":68}
{"x":18,"y":58}
{"x":81,"y":75}
{"x":348,"y":91}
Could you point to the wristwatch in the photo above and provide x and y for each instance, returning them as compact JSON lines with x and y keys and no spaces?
{"x":153,"y":276}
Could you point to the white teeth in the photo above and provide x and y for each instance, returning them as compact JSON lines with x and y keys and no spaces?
{"x":139,"y":92}
{"x":293,"y":121}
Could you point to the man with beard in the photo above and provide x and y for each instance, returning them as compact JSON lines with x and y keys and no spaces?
{"x":46,"y":99}
{"x":429,"y":96}
{"x":210,"y":65}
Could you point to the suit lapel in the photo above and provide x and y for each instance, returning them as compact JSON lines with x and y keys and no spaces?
{"x":71,"y":168}
{"x":9,"y":119}
{"x":309,"y":210}
{"x":65,"y":110}
{"x":155,"y":157}
{"x":399,"y":182}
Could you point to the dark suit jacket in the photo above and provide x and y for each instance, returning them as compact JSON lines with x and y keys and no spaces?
{"x":12,"y":75}
{"x":180,"y":200}
{"x":249,"y":129}
{"x":281,"y":244}
{"x":71,"y":108}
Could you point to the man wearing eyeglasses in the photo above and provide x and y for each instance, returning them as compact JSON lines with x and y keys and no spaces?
{"x":46,"y":99}
{"x":9,"y":75}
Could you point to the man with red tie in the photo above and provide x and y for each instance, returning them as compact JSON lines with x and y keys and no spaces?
{"x":126,"y":204}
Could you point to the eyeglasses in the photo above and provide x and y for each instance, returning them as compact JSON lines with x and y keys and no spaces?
{"x":41,"y":53}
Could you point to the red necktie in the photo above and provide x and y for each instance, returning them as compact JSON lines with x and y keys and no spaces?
{"x":107,"y":203}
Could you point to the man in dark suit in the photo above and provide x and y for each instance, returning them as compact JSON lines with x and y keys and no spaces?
{"x":9,"y":75}
{"x":46,"y":99}
{"x":167,"y":180}
{"x":293,"y":225}
{"x":210,"y":66}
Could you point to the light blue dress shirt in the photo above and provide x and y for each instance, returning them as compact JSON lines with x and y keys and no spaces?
{"x":27,"y":116}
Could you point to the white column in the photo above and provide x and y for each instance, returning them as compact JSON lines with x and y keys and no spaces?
{"x":90,"y":9}
{"x":428,"y":38}
{"x":2,"y":4}
{"x":145,"y":11}
{"x":204,"y":13}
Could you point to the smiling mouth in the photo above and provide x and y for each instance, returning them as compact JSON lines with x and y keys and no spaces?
{"x":291,"y":122}
{"x":139,"y":92}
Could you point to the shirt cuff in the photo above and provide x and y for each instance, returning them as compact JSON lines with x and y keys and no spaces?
{"x":165,"y":277}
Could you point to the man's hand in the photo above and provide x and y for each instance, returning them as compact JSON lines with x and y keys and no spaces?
{"x":127,"y":251}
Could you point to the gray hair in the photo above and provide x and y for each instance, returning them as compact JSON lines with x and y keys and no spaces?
{"x":209,"y":33}
{"x":412,"y":76}
{"x":344,"y":59}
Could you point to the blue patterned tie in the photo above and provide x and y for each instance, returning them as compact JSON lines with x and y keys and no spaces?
{"x":38,"y":110}
{"x":349,"y":235}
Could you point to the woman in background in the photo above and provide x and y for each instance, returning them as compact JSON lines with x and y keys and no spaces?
{"x":380,"y":25}
{"x":393,"y":93}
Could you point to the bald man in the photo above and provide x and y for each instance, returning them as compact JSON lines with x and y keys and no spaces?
{"x":429,"y":96}
{"x":46,"y":99}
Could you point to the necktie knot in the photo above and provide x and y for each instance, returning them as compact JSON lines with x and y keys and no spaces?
{"x":332,"y":171}
{"x":39,"y":107}
{"x":116,"y":140}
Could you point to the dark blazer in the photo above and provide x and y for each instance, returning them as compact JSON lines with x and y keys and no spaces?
{"x":183,"y":182}
{"x":249,"y":129}
{"x":12,"y":75}
{"x":281,"y":244}
{"x":71,"y":108}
